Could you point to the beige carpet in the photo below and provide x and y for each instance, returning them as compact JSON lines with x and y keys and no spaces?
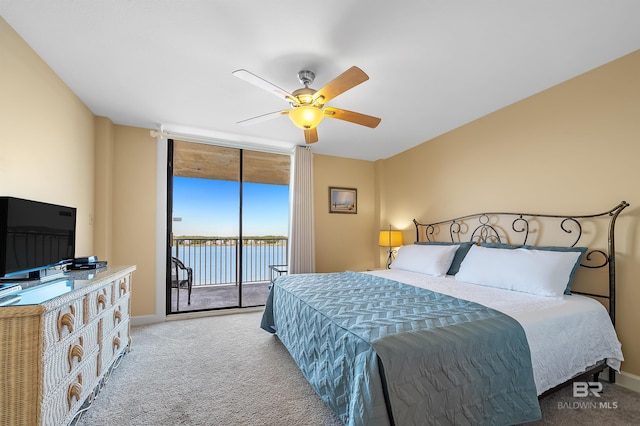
{"x":225,"y":370}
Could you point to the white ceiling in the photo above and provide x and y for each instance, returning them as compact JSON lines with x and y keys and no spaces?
{"x":433,"y":65}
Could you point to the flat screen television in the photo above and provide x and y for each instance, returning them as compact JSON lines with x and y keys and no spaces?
{"x":34,"y":236}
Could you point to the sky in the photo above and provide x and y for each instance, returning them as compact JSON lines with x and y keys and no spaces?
{"x":210,"y":208}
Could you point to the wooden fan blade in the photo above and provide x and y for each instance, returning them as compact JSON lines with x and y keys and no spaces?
{"x":311,"y":135}
{"x":353,"y":117}
{"x":264,"y":84}
{"x":261,"y":118}
{"x":345,"y":81}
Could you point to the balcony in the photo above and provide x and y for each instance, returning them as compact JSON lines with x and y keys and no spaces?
{"x":215,"y":272}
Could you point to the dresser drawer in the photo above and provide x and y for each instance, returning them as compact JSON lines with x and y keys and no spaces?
{"x":117,"y":315}
{"x":113,"y":344}
{"x":59,"y":405}
{"x":62,"y":322}
{"x":98,"y":301}
{"x":69,"y":357}
{"x":121,"y":288}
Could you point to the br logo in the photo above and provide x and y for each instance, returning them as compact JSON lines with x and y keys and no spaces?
{"x":583,"y":389}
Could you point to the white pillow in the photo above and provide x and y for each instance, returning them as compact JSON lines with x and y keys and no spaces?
{"x":540,"y":272}
{"x":430,"y":260}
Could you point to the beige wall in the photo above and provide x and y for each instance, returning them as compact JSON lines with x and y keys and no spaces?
{"x":133,"y":211}
{"x":46,"y":148}
{"x":344,"y":241}
{"x":126,"y":206}
{"x":573,"y":148}
{"x":103,"y":188}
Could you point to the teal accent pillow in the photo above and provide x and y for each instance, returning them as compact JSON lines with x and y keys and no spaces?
{"x":459,"y":256}
{"x":580,"y":250}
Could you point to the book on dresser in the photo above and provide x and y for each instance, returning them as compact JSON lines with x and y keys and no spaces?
{"x":59,"y":341}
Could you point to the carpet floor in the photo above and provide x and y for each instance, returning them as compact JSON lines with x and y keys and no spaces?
{"x":225,"y":370}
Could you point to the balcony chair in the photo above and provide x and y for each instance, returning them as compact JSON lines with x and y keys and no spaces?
{"x":181,"y":276}
{"x":277,"y":271}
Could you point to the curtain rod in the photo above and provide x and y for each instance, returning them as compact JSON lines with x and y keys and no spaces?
{"x":221,"y":142}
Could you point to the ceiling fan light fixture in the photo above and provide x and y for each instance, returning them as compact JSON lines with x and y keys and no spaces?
{"x":306,"y":116}
{"x":305,"y":99}
{"x":304,"y":95}
{"x":308,"y":105}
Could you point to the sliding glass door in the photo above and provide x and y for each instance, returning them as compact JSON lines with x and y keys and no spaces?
{"x":228,"y":211}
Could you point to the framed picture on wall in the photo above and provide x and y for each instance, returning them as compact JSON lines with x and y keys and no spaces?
{"x":343,"y":200}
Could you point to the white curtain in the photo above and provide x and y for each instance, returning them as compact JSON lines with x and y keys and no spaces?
{"x":301,"y":240}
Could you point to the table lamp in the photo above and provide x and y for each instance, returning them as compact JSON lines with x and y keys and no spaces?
{"x":390,"y":239}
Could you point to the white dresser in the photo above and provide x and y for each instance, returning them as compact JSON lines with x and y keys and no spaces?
{"x":55,"y":353}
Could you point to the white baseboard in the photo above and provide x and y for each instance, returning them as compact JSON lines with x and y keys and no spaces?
{"x":146,"y":319}
{"x":629,"y":381}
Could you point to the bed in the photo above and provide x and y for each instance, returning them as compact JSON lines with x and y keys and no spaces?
{"x":471,"y":325}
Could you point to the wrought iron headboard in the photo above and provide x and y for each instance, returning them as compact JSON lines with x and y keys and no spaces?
{"x":522,"y":228}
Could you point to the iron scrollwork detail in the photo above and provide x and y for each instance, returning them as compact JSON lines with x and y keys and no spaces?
{"x":588,"y":257}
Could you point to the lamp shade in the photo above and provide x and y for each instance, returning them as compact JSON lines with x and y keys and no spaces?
{"x":306,"y":116}
{"x":390,"y":238}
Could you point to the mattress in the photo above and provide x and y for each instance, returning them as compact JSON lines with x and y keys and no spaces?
{"x":566,"y":335}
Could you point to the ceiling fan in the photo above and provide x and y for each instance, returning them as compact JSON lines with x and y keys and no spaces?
{"x":308,"y":105}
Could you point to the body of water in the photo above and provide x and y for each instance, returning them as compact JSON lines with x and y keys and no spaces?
{"x":216,"y":263}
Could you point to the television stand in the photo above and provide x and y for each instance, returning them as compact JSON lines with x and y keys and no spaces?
{"x":57,"y":354}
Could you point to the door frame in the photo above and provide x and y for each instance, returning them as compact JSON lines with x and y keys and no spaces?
{"x":169,"y":236}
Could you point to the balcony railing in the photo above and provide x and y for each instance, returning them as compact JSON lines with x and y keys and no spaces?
{"x":214,"y":260}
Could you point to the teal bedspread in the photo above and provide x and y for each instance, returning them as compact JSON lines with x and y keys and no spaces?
{"x":380,"y":352}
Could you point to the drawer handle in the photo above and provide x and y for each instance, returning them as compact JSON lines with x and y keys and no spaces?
{"x":123,"y":287}
{"x":75,"y":351}
{"x":101,"y":300}
{"x":74,"y":391}
{"x":117,"y":317}
{"x":116,"y":343}
{"x":66,"y":320}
